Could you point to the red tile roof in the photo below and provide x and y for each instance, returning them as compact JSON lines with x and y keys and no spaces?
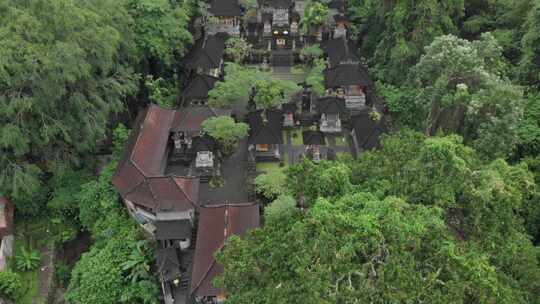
{"x":140,"y":176}
{"x":191,"y":119}
{"x":151,"y":145}
{"x":216,"y":224}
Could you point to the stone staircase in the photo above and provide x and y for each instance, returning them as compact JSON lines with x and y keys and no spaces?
{"x":285,"y":73}
{"x":280,"y":58}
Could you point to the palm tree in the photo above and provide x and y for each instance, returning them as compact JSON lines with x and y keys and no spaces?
{"x":137,"y":263}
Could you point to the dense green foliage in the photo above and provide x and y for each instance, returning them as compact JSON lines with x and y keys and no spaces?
{"x":27,"y":259}
{"x":161,"y":28}
{"x":395,"y":32}
{"x":529,"y":128}
{"x":354,"y":249}
{"x":315,"y":14}
{"x":237,"y":49}
{"x":422,"y":219}
{"x":529,"y":65}
{"x":65,"y":68}
{"x":311,"y":52}
{"x":271,"y":184}
{"x":116,"y":269}
{"x":62,"y":206}
{"x":449,"y":215}
{"x":161,"y":92}
{"x":60,"y":79}
{"x":11,"y":286}
{"x":225,"y":131}
{"x":315,"y":77}
{"x":395,"y":35}
{"x":271,"y":93}
{"x":460,"y":90}
{"x":281,"y":206}
{"x":239,"y":82}
{"x":236,"y":86}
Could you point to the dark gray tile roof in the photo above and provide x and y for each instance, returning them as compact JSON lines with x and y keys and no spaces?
{"x":173,"y":230}
{"x":204,"y":143}
{"x":368,"y":131}
{"x":277,"y":3}
{"x":225,"y":8}
{"x":265,"y":127}
{"x":312,"y":137}
{"x":331,"y":105}
{"x":340,"y":50}
{"x":345,"y":75}
{"x":338,"y":4}
{"x":207,"y":52}
{"x":167,"y":263}
{"x":199,"y":87}
{"x":289,"y":107}
{"x":190,"y":119}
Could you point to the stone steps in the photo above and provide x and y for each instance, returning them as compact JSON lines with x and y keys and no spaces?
{"x":285,"y":73}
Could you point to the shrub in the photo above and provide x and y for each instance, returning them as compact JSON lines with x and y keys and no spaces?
{"x":271,"y":184}
{"x":27,"y":259}
{"x":10,"y":284}
{"x":62,"y":274}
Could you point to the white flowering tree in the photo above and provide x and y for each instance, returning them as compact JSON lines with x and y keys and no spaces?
{"x":462,"y":90}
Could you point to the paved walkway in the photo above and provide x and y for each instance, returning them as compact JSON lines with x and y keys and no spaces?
{"x":234,"y":171}
{"x":286,"y":73}
{"x":45,"y":272}
{"x":289,"y":147}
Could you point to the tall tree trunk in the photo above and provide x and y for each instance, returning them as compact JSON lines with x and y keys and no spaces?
{"x":433,"y":118}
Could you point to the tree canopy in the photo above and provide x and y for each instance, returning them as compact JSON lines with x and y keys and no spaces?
{"x":529,"y":66}
{"x":225,"y":130}
{"x":422,"y":219}
{"x":445,"y":210}
{"x":315,"y":14}
{"x":461,"y":90}
{"x":161,"y":28}
{"x":66,"y":72}
{"x":395,"y":33}
{"x":240,"y":82}
{"x":117,"y":267}
{"x":237,"y":49}
{"x":60,"y":79}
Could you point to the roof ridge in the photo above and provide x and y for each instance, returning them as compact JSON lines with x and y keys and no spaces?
{"x":156,"y":201}
{"x":208,"y":56}
{"x":228,"y":204}
{"x":136,"y":186}
{"x":205,"y":274}
{"x":225,"y":221}
{"x":152,"y":105}
{"x":135,"y":165}
{"x":183,"y":191}
{"x":205,"y":79}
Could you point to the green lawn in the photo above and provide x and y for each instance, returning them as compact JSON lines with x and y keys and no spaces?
{"x":30,"y":283}
{"x":267,"y":166}
{"x":343,"y":156}
{"x":285,"y":160}
{"x":270,"y":166}
{"x":296,"y":136}
{"x":341,"y":141}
